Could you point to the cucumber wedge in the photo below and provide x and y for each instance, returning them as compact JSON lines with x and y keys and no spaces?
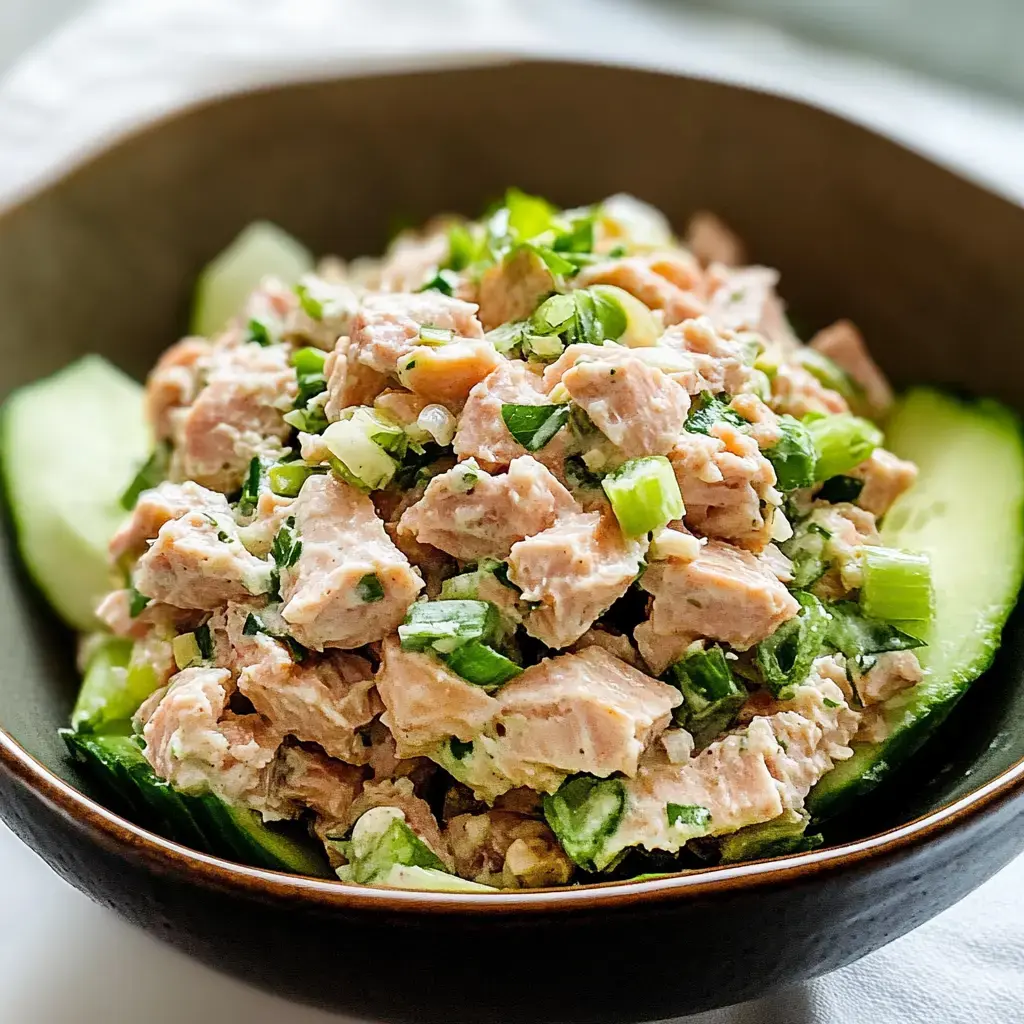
{"x":967,"y":513}
{"x":69,"y":445}
{"x":262,"y":249}
{"x":112,"y":689}
{"x":205,"y":823}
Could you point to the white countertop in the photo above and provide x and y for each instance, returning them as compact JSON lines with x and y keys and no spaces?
{"x":68,"y":960}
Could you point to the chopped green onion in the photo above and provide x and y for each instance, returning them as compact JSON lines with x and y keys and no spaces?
{"x":251,"y":488}
{"x":785,"y":658}
{"x":583,"y":814}
{"x":186,"y":651}
{"x":712,"y":697}
{"x":205,"y":641}
{"x":841,"y":441}
{"x":688,"y":816}
{"x":364,"y":460}
{"x":309,"y":360}
{"x":793,"y":456}
{"x":430,"y":335}
{"x":775,"y":838}
{"x":137,"y":603}
{"x":286,"y":548}
{"x":534,"y":425}
{"x":896,"y":585}
{"x":477,"y":663}
{"x":311,"y":420}
{"x":712,"y":410}
{"x":857,"y":635}
{"x":446,"y":625}
{"x":152,"y":473}
{"x":444,"y":281}
{"x":840,"y":488}
{"x":806,"y":549}
{"x":259,"y":333}
{"x":644,"y":494}
{"x":311,"y":305}
{"x":369,"y":589}
{"x":253,"y":625}
{"x":381,"y":839}
{"x":286,"y":478}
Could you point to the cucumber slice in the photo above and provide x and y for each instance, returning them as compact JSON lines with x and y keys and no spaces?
{"x":205,"y":823}
{"x":112,"y":689}
{"x":965,"y":512}
{"x":69,"y":446}
{"x":261,"y":249}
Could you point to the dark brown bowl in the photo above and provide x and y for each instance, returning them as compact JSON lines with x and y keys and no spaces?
{"x":927,"y":263}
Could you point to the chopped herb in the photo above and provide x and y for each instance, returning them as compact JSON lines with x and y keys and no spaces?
{"x":152,"y":473}
{"x":285,"y":551}
{"x":253,"y":625}
{"x":287,"y":478}
{"x":459,"y":749}
{"x":710,"y":411}
{"x":369,"y":589}
{"x":444,"y":281}
{"x":829,"y":702}
{"x":807,"y":550}
{"x":311,"y":306}
{"x":840,"y":488}
{"x":463,"y":248}
{"x":430,"y":335}
{"x":712,"y":696}
{"x":251,"y":488}
{"x":856,"y":635}
{"x":688,"y":814}
{"x":534,"y":425}
{"x":482,"y":665}
{"x":309,"y":375}
{"x":137,"y":603}
{"x":584,"y":317}
{"x":259,"y":333}
{"x":577,"y":475}
{"x":793,"y":456}
{"x":205,"y":641}
{"x":785,"y":658}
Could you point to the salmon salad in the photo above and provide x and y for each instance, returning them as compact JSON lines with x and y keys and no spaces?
{"x":539,"y":551}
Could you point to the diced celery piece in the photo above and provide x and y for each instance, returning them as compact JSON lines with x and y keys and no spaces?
{"x":644,"y":494}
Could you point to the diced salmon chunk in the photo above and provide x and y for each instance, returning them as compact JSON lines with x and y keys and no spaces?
{"x":158,"y":506}
{"x":572,"y":573}
{"x":327,"y":700}
{"x":636,"y":406}
{"x":237,"y":415}
{"x":711,"y":240}
{"x":740,"y":297}
{"x":448,"y":373}
{"x":845,"y":346}
{"x":670,"y":281}
{"x":387,"y":328}
{"x":199,"y":561}
{"x":174,"y":383}
{"x":885,"y":478}
{"x":350,"y":585}
{"x":797,"y":391}
{"x":717,"y":360}
{"x":156,"y":619}
{"x":725,"y":482}
{"x":473,"y":515}
{"x":414,"y":256}
{"x":891,"y":672}
{"x":585,"y":712}
{"x":513,"y":288}
{"x":723,"y":594}
{"x":426,"y":703}
{"x":746,"y":778}
{"x":194,"y":743}
{"x":482,"y":434}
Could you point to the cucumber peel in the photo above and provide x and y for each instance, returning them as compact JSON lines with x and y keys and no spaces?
{"x":70,"y":444}
{"x":966,"y":512}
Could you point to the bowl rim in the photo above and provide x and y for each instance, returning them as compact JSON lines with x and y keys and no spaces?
{"x":123,"y":837}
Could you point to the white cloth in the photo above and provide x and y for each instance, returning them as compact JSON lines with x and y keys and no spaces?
{"x":128,"y":60}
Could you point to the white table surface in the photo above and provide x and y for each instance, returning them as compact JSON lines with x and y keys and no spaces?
{"x":63,"y":959}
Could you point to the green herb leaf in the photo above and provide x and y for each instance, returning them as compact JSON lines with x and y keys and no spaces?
{"x":793,"y":456}
{"x":785,"y":658}
{"x":204,"y":641}
{"x":251,"y":488}
{"x":444,"y":281}
{"x":259,"y":333}
{"x":710,"y":411}
{"x":583,"y":814}
{"x":482,"y":665}
{"x":254,"y":625}
{"x":137,"y":603}
{"x":692,"y":815}
{"x":369,"y":589}
{"x":856,"y":635}
{"x":311,"y":306}
{"x":152,"y":473}
{"x":840,"y":488}
{"x":533,"y":426}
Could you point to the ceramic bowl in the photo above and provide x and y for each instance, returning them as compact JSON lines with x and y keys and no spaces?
{"x":928,"y":264}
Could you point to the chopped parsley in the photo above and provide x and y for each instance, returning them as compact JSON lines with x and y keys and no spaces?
{"x":534,"y":425}
{"x":369,"y":588}
{"x":137,"y":603}
{"x":250,"y":488}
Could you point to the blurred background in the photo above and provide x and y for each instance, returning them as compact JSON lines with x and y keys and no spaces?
{"x":974,"y":43}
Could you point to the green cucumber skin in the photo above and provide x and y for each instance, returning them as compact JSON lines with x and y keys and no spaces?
{"x":203,"y":823}
{"x":874,"y":762}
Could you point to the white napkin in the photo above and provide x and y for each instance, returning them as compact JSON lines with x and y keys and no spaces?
{"x":128,"y":60}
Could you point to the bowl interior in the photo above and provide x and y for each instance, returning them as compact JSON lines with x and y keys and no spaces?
{"x":104,"y":260}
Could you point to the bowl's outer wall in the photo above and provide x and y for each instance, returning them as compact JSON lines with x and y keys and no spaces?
{"x":925,"y":262}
